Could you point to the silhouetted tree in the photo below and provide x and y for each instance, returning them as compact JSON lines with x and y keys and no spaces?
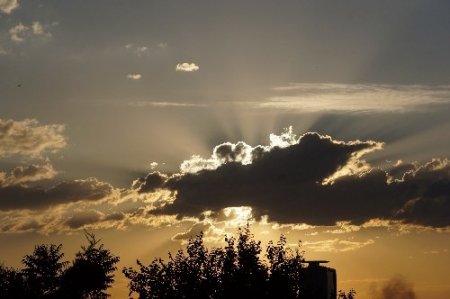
{"x":45,"y":275}
{"x":251,"y":273}
{"x":43,"y":270}
{"x":285,"y":270}
{"x":350,"y":295}
{"x":235,"y":271}
{"x":91,"y":272}
{"x":12,"y":283}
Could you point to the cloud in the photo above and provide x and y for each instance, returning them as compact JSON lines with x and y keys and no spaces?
{"x":211,"y":233}
{"x":3,"y":51}
{"x":141,"y":104}
{"x":16,"y":197}
{"x":263,"y":177}
{"x":312,"y":179}
{"x":7,"y":6}
{"x":151,"y":182}
{"x":141,"y":50}
{"x":83,"y":204}
{"x":333,"y":97}
{"x":134,"y":76}
{"x":29,"y":138}
{"x":83,"y":218}
{"x":20,"y":31}
{"x":16,"y":33}
{"x":37,"y":28}
{"x":145,"y":50}
{"x":336,"y":245}
{"x":26,"y":174}
{"x":187,"y":67}
{"x":432,"y":182}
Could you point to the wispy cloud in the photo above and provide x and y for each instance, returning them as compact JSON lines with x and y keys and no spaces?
{"x":134,"y":76}
{"x":164,"y":104}
{"x":29,"y":138}
{"x":7,"y":6}
{"x":162,"y":45}
{"x":336,"y":245}
{"x":26,"y":174}
{"x":187,"y":67}
{"x":320,"y":97}
{"x":141,"y":50}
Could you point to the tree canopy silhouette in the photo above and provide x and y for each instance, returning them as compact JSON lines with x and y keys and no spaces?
{"x":46,"y":275}
{"x":235,"y":271}
{"x":91,"y":273}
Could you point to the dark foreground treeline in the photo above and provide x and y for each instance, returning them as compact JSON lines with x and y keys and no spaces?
{"x":235,"y":271}
{"x":46,"y":275}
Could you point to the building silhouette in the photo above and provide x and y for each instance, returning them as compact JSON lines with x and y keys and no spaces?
{"x":319,"y":281}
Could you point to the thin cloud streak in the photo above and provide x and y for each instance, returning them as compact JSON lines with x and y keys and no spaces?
{"x":334,"y":97}
{"x":140,"y":104}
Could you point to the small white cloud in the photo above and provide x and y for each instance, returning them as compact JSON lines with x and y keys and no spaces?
{"x":7,"y":6}
{"x":141,"y":50}
{"x":134,"y":76}
{"x":16,"y":33}
{"x":37,"y":28}
{"x":145,"y":50}
{"x":20,"y":31}
{"x":187,"y":67}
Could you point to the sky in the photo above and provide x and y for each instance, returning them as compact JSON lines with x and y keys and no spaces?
{"x":147,"y":122}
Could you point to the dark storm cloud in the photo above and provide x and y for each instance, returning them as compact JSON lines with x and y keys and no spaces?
{"x":431,"y":182}
{"x":24,"y":197}
{"x":288,"y":185}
